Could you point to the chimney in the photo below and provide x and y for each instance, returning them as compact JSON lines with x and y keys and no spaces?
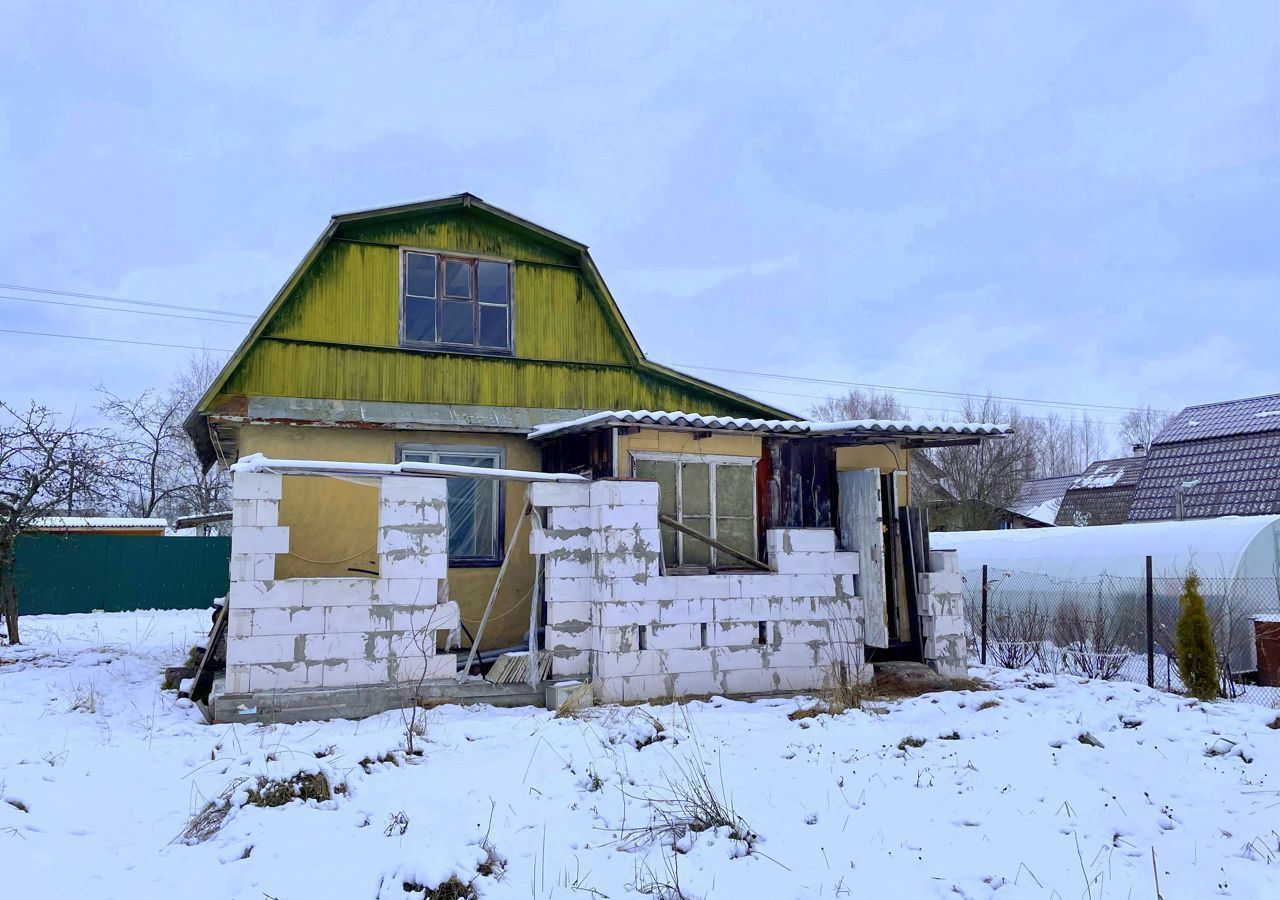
{"x":1139,"y":449}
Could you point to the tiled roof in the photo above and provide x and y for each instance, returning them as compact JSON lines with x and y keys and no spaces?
{"x":1231,"y":475}
{"x":775,"y":426}
{"x":1102,"y":494}
{"x":1105,"y":473}
{"x":1233,"y":417}
{"x":1036,"y":491}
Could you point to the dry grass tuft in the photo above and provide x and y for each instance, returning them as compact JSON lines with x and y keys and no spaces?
{"x":206,"y":822}
{"x":1274,"y":724}
{"x":274,"y":792}
{"x":953,"y":736}
{"x":914,"y":742}
{"x":17,"y":804}
{"x":806,"y":712}
{"x":453,"y":889}
{"x":988,"y":704}
{"x":842,"y":690}
{"x":575,"y":702}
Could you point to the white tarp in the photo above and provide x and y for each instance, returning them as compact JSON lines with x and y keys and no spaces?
{"x":1230,"y":546}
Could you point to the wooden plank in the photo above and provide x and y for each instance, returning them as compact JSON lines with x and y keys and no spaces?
{"x":910,"y":582}
{"x":862,"y":531}
{"x":712,"y":542}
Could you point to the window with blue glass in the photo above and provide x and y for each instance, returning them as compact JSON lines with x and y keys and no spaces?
{"x":455,"y":303}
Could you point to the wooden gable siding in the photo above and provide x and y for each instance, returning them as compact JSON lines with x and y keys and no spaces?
{"x":351,"y":296}
{"x":334,"y":334}
{"x":302,"y":369}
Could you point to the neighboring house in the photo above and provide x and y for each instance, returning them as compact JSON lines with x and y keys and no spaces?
{"x":947,"y":512}
{"x":98,"y":525}
{"x":1103,"y":494}
{"x":453,"y":332}
{"x":1217,"y":459}
{"x":1040,"y":498}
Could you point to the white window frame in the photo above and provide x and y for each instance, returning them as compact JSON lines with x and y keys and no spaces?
{"x":417,"y":452}
{"x":713,"y":462}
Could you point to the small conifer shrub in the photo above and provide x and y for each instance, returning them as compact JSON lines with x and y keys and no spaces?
{"x":1197,"y":662}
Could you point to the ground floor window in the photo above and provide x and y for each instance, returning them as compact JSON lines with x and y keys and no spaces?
{"x":474,"y":513}
{"x":715,"y":496}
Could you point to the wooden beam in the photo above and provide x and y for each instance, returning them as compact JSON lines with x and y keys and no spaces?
{"x":712,"y":542}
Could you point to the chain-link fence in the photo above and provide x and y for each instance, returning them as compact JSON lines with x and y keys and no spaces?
{"x":1123,"y":627}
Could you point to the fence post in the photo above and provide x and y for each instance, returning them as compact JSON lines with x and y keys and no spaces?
{"x":1151,"y":627}
{"x":984,"y":614}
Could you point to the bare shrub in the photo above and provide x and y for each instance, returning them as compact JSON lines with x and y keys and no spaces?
{"x":690,"y":804}
{"x":1016,"y":635}
{"x":1090,"y":640}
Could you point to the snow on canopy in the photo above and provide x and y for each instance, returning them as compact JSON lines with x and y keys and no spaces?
{"x":1230,"y":547}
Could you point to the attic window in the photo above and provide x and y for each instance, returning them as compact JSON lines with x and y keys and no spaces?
{"x":455,"y":302}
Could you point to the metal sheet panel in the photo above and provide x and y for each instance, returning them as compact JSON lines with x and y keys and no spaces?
{"x":861,"y":530}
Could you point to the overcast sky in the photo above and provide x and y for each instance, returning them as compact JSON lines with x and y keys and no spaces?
{"x":1069,"y":203}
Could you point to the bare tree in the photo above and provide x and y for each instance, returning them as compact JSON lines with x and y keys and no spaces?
{"x":43,"y":466}
{"x":983,"y":478}
{"x":144,"y":450}
{"x":155,"y":467}
{"x":859,"y":405}
{"x":1141,"y":425}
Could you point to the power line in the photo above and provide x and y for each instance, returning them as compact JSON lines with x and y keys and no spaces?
{"x":38,"y":290}
{"x":136,"y":312}
{"x":929,"y":409}
{"x":85,"y":337}
{"x":906,"y":390}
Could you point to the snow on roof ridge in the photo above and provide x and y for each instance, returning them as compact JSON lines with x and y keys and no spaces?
{"x":98,"y":522}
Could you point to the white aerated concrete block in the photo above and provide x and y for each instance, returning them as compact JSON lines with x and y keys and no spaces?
{"x":265,"y":648}
{"x":408,"y":591}
{"x":237,"y":679}
{"x":286,"y":621}
{"x":570,"y":517}
{"x":412,"y":489}
{"x":280,"y":676}
{"x":249,"y":539}
{"x":568,"y":590}
{"x":570,"y":663}
{"x":550,"y":540}
{"x":668,"y":637}
{"x":628,"y":516}
{"x":265,"y":594}
{"x":547,"y":493}
{"x":256,"y":486}
{"x":255,"y":513}
{"x":426,"y":668}
{"x":253,"y":567}
{"x":800,"y":540}
{"x":944,"y":561}
{"x":327,"y":592}
{"x":239,"y":623}
{"x":733,"y":634}
{"x":403,"y":564}
{"x":624,"y":493}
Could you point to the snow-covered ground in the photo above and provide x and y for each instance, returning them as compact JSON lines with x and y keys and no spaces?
{"x":1002,"y":799}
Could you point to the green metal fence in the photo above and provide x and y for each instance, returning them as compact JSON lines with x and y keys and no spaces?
{"x":78,"y":573}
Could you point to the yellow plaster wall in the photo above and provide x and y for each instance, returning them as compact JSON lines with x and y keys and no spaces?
{"x":885,"y":457}
{"x":652,"y":440}
{"x":333,"y":523}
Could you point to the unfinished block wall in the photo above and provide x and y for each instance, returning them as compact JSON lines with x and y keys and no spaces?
{"x":339,"y":632}
{"x":613,"y":617}
{"x":941,"y":604}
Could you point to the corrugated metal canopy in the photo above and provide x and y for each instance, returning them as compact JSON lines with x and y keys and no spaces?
{"x":694,"y":421}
